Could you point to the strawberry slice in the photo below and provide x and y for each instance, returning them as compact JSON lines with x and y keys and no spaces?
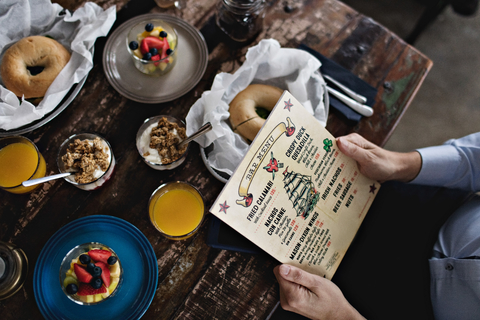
{"x":149,"y":43}
{"x":86,"y":290}
{"x":82,"y":273}
{"x":155,"y":58}
{"x":99,"y":255}
{"x":165,"y":47}
{"x":105,"y":273}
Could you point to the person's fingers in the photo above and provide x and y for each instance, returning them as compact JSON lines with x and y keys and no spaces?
{"x":351,"y":149}
{"x":297,"y":275}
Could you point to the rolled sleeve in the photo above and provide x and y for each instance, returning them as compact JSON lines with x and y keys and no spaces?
{"x":455,"y":164}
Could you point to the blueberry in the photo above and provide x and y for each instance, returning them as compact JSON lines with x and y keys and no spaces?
{"x":163,"y":34}
{"x":169,"y":51}
{"x":133,"y":45}
{"x":149,"y":27}
{"x":97,"y":271}
{"x":112,"y":260}
{"x":72,"y":288}
{"x":147,"y":56}
{"x":154,"y":51}
{"x":96,"y":283}
{"x":90,"y":267}
{"x":84,"y":258}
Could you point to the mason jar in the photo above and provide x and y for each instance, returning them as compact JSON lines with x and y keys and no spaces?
{"x":241,"y":20}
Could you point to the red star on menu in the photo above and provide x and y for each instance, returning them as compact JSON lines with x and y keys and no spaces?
{"x":288,"y":105}
{"x":224,"y":207}
{"x":372,"y":188}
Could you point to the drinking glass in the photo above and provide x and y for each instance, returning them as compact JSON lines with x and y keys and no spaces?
{"x":20,"y":161}
{"x":176,"y":209}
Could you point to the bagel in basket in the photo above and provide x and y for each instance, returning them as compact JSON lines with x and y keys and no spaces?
{"x":31,"y":64}
{"x":243,"y":115}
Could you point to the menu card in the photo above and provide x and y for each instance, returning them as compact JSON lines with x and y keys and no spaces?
{"x":295,"y":194}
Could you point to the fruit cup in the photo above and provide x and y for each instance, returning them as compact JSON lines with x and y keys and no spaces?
{"x":176,"y":210}
{"x":153,"y":45}
{"x":100,"y":176}
{"x":20,"y":160}
{"x":91,"y":273}
{"x":151,"y":156}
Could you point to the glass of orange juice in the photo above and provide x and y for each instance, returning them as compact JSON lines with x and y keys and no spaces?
{"x":176,"y":209}
{"x":20,"y":161}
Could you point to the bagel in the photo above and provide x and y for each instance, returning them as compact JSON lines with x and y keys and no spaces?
{"x":30,"y":53}
{"x":243,"y":117}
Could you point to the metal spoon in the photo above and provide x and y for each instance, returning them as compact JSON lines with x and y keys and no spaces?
{"x":45,"y":179}
{"x":204,"y":129}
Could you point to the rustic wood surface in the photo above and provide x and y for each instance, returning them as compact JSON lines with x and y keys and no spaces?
{"x":195,"y":280}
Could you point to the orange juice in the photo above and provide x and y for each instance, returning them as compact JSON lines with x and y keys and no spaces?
{"x":20,"y":161}
{"x":176,"y":210}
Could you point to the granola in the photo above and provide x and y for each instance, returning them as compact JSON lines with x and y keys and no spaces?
{"x":164,"y":138}
{"x":87,"y":157}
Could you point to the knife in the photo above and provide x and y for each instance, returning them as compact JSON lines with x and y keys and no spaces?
{"x":355,"y":105}
{"x":348,"y":91}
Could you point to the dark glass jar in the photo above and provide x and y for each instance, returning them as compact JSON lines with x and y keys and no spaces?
{"x":241,"y":20}
{"x":13,"y":269}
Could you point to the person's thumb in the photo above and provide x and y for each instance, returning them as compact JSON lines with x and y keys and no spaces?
{"x":297,"y":275}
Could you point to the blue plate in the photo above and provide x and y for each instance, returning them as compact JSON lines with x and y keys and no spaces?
{"x":140,"y":270}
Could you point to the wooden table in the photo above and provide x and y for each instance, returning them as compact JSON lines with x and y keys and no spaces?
{"x":196,"y":281}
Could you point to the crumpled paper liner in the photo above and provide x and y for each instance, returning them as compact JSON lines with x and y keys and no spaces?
{"x":77,"y":32}
{"x":289,"y":69}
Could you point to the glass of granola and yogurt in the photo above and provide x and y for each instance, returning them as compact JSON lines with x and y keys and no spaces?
{"x":157,"y":141}
{"x":90,"y":156}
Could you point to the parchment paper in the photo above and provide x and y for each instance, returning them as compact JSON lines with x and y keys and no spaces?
{"x":289,"y":69}
{"x":75,"y":31}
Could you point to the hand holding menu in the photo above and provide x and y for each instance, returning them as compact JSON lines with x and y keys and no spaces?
{"x":295,"y":195}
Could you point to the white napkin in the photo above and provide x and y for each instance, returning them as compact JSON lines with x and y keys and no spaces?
{"x":289,"y":69}
{"x":77,"y":32}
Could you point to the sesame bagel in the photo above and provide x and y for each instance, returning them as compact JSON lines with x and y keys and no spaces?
{"x":243,"y":117}
{"x":33,"y":52}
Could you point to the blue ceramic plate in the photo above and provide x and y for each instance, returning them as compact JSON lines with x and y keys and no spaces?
{"x":140,"y":270}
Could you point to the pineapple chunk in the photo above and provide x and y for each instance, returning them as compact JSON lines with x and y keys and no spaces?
{"x":162,"y":65}
{"x":171,"y":41}
{"x":71,"y":273}
{"x":138,"y":53}
{"x":115,"y":270}
{"x":113,"y":285}
{"x":73,"y":262}
{"x":90,"y":298}
{"x":98,"y":297}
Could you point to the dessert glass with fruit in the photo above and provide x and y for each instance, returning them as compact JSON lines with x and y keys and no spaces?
{"x":153,"y":47}
{"x":90,"y":156}
{"x":156,"y":142}
{"x":90,"y":273}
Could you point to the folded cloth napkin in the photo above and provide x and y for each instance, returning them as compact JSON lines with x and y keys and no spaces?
{"x":346,"y":78}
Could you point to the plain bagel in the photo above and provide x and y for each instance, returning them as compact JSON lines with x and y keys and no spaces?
{"x":34,"y":51}
{"x":243,"y":117}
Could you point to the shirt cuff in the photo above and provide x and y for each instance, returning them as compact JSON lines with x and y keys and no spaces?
{"x":437,"y":165}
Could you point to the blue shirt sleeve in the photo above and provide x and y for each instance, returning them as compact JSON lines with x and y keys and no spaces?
{"x":456,"y":164}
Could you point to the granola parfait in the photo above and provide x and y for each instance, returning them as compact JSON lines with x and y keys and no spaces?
{"x":157,"y":142}
{"x":91,"y":159}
